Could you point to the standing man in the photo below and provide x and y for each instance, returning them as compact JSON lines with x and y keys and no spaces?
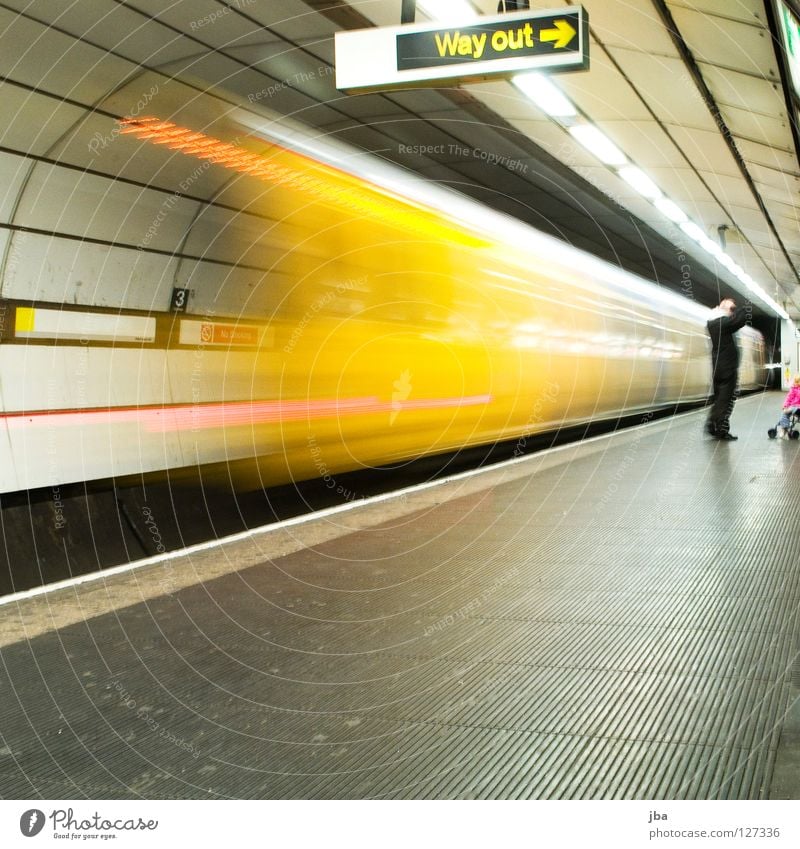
{"x":725,"y":320}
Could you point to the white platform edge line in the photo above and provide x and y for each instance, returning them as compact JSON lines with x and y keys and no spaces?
{"x":320,"y":514}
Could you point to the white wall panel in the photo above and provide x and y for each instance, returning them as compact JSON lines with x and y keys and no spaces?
{"x":58,"y":450}
{"x":44,"y":377}
{"x":13,"y":170}
{"x":33,"y":122}
{"x":202,"y":377}
{"x":8,"y":471}
{"x":5,"y":240}
{"x":40,"y":56}
{"x":67,"y":201}
{"x":222,"y":290}
{"x":206,"y":375}
{"x":211,"y":21}
{"x":63,"y":448}
{"x":73,"y":272}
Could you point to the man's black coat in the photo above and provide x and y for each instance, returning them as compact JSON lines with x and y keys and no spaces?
{"x":724,"y":351}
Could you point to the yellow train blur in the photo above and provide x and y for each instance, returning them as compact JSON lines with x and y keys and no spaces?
{"x":395,"y":319}
{"x":409,"y":321}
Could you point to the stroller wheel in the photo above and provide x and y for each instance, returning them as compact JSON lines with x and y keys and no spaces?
{"x":794,"y":434}
{"x":772,"y":433}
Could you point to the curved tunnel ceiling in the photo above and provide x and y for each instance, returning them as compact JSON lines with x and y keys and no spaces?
{"x":84,"y":208}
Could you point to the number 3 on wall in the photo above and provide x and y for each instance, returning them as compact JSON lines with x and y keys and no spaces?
{"x":179,"y":299}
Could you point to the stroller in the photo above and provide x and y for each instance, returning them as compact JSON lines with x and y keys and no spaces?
{"x":792,"y":431}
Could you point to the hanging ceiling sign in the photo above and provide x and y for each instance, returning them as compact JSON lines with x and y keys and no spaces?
{"x":418,"y":55}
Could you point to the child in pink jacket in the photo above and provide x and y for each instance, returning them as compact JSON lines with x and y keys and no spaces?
{"x":792,"y":402}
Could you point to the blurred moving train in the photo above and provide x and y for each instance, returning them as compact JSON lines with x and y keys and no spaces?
{"x":401,"y":319}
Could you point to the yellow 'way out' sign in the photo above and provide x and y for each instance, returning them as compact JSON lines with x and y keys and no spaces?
{"x":432,"y":54}
{"x":550,"y":36}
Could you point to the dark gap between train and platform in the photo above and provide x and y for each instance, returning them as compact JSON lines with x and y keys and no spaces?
{"x":55,"y":533}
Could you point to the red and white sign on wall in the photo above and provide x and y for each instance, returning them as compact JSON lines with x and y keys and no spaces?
{"x":221,"y":333}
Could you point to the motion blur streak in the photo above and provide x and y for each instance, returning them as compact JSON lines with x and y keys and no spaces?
{"x":298,"y":173}
{"x":338,"y":313}
{"x":164,"y":419}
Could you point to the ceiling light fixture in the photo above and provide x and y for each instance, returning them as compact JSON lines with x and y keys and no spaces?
{"x":640,"y":181}
{"x":598,"y":144}
{"x":455,"y":9}
{"x":544,"y":94}
{"x":671,"y":210}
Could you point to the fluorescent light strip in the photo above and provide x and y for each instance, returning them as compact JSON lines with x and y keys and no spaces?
{"x":598,"y":144}
{"x":640,"y":181}
{"x":440,"y":9}
{"x":696,"y":234}
{"x":553,"y":102}
{"x":545,"y":95}
{"x":671,"y":210}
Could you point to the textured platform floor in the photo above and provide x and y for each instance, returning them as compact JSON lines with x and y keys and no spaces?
{"x":619,"y":626}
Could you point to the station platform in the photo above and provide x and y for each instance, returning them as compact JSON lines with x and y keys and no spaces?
{"x":615,"y":619}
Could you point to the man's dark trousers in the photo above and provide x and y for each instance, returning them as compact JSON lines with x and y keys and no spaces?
{"x":724,"y":390}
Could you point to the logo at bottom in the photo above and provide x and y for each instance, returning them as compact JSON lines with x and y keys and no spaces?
{"x":31,"y":822}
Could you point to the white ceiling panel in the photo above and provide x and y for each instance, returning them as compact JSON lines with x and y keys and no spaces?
{"x":748,"y":11}
{"x":13,"y":171}
{"x":705,"y":149}
{"x":668,"y":88}
{"x":120,"y":29}
{"x":601,"y":93}
{"x":647,"y":144}
{"x":731,"y":44}
{"x":42,"y":57}
{"x":748,"y":217}
{"x":38,"y":121}
{"x":777,"y":179}
{"x":756,"y":127}
{"x":729,"y":191}
{"x":214,"y":23}
{"x":745,"y":91}
{"x":708,"y":215}
{"x":507,"y":100}
{"x":295,"y":21}
{"x":782,"y":195}
{"x":634,"y":24}
{"x":780,"y":159}
{"x":557,"y":143}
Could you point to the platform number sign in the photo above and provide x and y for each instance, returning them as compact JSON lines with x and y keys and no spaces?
{"x":180,"y":298}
